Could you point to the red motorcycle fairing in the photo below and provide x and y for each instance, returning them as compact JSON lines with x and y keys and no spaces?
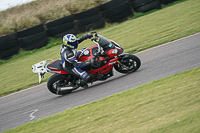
{"x":106,"y":68}
{"x":108,"y":60}
{"x":56,"y":67}
{"x":88,"y":54}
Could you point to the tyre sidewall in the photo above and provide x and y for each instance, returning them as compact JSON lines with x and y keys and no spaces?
{"x":55,"y":78}
{"x":129,"y":56}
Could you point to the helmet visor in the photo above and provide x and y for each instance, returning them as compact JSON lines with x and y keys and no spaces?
{"x":73,"y":44}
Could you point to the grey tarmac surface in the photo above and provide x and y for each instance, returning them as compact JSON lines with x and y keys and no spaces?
{"x":158,"y":62}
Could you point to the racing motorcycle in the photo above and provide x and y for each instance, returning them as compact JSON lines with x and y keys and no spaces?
{"x":107,"y":54}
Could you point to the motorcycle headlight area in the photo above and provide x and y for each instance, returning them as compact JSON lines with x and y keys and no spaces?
{"x":115,"y":51}
{"x":86,"y":53}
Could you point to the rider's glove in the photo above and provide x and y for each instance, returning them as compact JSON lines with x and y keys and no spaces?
{"x":89,"y":35}
{"x":86,"y":36}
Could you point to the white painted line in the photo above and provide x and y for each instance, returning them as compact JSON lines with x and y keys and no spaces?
{"x":31,"y":115}
{"x":20,"y":115}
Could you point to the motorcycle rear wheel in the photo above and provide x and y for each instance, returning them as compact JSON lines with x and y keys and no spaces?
{"x":128,"y":64}
{"x":58,"y":84}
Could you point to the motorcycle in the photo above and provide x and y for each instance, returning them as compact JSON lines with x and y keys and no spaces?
{"x":107,"y":54}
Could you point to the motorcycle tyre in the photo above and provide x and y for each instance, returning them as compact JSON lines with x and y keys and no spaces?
{"x":133,"y":57}
{"x":53,"y":79}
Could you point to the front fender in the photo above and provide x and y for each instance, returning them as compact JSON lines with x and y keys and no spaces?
{"x":123,"y":56}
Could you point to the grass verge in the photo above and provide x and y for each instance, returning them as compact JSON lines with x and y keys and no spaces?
{"x":168,"y":105}
{"x":134,"y":35}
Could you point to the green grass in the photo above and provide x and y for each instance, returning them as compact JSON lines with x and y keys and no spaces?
{"x":169,"y":105}
{"x":134,"y":35}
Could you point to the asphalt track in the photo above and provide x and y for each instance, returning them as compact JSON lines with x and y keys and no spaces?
{"x":158,"y":62}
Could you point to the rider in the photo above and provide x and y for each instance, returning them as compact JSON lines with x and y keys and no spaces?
{"x":69,"y":58}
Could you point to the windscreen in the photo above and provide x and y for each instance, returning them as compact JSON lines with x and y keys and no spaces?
{"x":103,"y":41}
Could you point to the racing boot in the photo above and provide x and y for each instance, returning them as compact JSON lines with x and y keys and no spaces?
{"x":87,"y":79}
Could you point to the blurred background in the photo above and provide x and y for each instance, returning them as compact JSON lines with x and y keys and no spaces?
{"x":5,"y":4}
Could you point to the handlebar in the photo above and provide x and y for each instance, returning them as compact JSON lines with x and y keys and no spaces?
{"x":95,"y":40}
{"x":95,"y":36}
{"x":99,"y":47}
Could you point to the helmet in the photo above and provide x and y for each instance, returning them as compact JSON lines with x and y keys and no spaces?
{"x":70,"y":41}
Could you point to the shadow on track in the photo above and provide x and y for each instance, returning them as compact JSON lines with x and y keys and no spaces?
{"x":96,"y":84}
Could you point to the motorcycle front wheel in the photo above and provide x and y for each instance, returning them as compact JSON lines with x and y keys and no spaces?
{"x":59,"y":85}
{"x":128,"y":64}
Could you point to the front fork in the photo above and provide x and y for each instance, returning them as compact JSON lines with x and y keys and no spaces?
{"x":122,"y":65}
{"x":119,"y":62}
